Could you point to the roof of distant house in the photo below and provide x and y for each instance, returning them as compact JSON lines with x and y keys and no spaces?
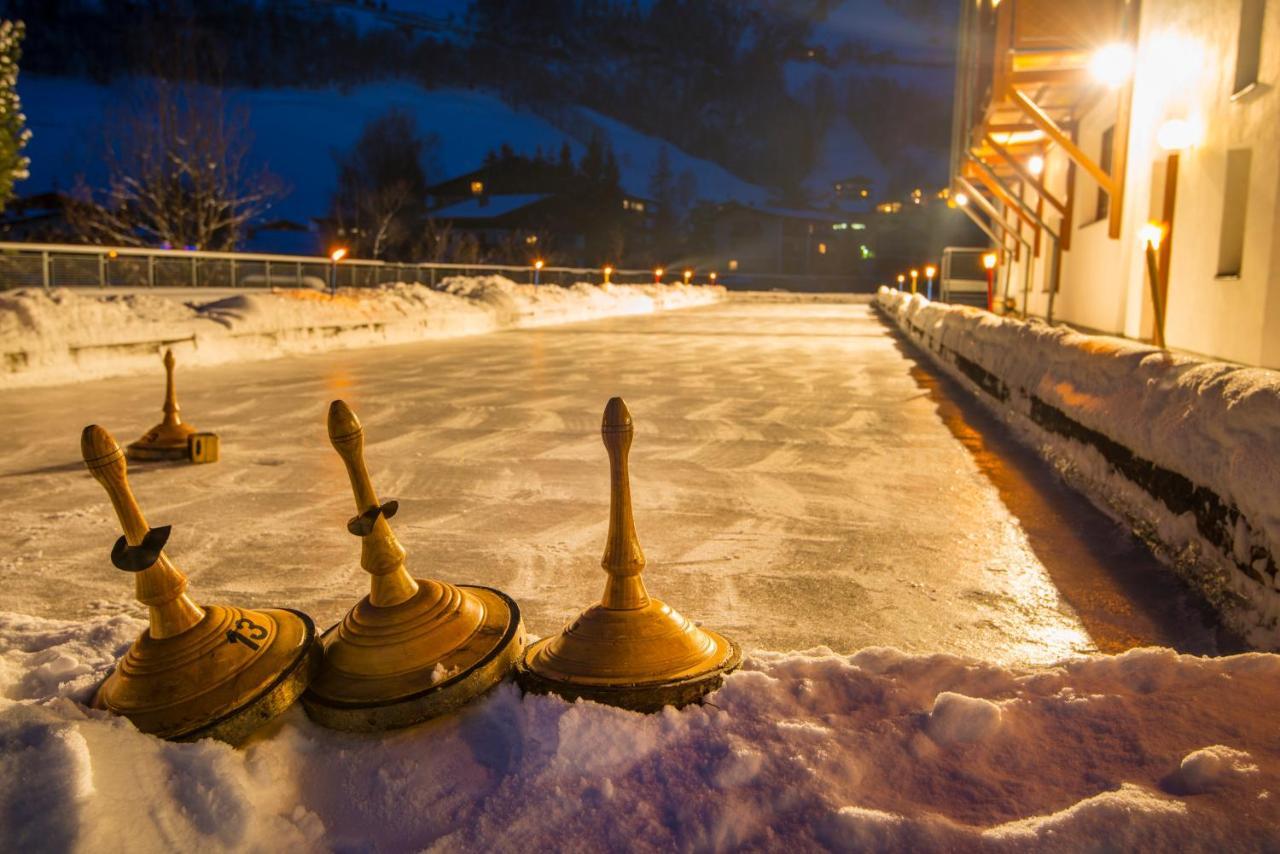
{"x":488,"y":207}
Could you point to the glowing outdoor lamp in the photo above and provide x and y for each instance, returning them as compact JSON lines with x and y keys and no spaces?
{"x":334,"y":257}
{"x":901,"y":279}
{"x":1035,"y":165}
{"x":712,"y":276}
{"x":1176,"y":135}
{"x":657,"y":275}
{"x":688,"y":274}
{"x":929,"y":272}
{"x":537,"y":270}
{"x":608,"y":271}
{"x":961,"y":199}
{"x":1112,"y":64}
{"x":989,"y":264}
{"x":1151,"y":235}
{"x":915,"y":275}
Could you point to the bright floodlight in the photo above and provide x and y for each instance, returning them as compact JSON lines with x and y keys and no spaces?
{"x":1152,"y":233}
{"x":989,"y":260}
{"x":337,"y":255}
{"x":1112,"y":65}
{"x":1035,"y":165}
{"x":961,"y":199}
{"x":1176,"y":135}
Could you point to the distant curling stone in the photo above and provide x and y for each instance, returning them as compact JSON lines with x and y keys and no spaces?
{"x":413,"y":649}
{"x":171,"y":439}
{"x":212,"y":671}
{"x":629,"y":650}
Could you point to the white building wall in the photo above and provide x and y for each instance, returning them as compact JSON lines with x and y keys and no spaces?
{"x":1185,"y":70}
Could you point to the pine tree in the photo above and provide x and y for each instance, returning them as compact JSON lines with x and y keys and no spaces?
{"x":13,"y":130}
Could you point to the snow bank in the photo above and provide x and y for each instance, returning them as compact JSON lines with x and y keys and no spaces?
{"x":1187,"y":451}
{"x":1144,"y":751}
{"x":66,"y":335}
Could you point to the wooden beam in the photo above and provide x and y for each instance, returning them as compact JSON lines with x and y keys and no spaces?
{"x":1055,"y":133}
{"x":1025,"y":174}
{"x":1120,"y":140}
{"x":1021,"y":208}
{"x":1068,"y":76}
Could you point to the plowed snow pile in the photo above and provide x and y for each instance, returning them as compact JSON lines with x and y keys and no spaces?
{"x":65,"y":335}
{"x":876,"y":751}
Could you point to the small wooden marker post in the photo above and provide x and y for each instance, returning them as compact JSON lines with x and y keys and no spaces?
{"x":629,"y":650}
{"x":212,"y":671}
{"x":171,"y":438}
{"x":412,"y":649}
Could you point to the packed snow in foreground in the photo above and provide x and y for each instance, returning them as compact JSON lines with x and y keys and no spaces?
{"x":1185,"y":450}
{"x":65,"y":335}
{"x":878,"y":750}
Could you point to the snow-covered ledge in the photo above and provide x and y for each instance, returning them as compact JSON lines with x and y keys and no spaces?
{"x":1186,"y":451}
{"x":67,"y":335}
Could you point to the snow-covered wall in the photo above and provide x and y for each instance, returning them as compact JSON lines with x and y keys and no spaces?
{"x":1186,"y":451}
{"x":67,"y":335}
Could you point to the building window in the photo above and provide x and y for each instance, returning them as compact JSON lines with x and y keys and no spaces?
{"x":477,"y":187}
{"x":1235,"y":203}
{"x":1103,"y":205}
{"x":1248,"y":45}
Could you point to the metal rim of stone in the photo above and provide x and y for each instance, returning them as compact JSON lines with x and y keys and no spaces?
{"x":441,"y":699}
{"x":236,"y":726}
{"x":645,"y":697}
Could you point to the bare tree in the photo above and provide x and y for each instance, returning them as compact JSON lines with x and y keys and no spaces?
{"x":177,"y":174}
{"x":379,"y":206}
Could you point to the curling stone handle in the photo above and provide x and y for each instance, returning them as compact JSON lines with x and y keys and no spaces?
{"x":381,"y":555}
{"x":161,"y":586}
{"x":171,"y":408}
{"x":623,"y":559}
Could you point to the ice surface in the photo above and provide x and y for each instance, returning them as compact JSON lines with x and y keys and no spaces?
{"x":1216,"y":424}
{"x":1147,"y":750}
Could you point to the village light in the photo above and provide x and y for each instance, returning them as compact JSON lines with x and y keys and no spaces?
{"x":1035,"y":165}
{"x":657,"y":275}
{"x":712,"y":275}
{"x":915,"y":275}
{"x":1112,"y":64}
{"x":688,"y":274}
{"x":961,"y":199}
{"x":338,"y":254}
{"x":929,"y":272}
{"x":608,"y":271}
{"x":537,"y":270}
{"x":901,"y":279}
{"x":1176,"y":135}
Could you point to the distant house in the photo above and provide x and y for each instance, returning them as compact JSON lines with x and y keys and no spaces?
{"x":855,"y":188}
{"x":774,"y":240}
{"x":40,"y":218}
{"x":520,"y":201}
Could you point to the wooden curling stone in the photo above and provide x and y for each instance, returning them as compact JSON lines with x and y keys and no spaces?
{"x":172,"y":439}
{"x":212,"y":671}
{"x":629,"y":649}
{"x":413,"y":649}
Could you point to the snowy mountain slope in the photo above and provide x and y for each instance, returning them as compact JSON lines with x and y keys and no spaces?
{"x":296,"y":131}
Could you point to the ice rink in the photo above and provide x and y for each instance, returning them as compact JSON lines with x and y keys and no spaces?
{"x":798,"y":479}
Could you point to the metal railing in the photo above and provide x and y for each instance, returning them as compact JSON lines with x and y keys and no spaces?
{"x":50,"y":265}
{"x":55,"y":265}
